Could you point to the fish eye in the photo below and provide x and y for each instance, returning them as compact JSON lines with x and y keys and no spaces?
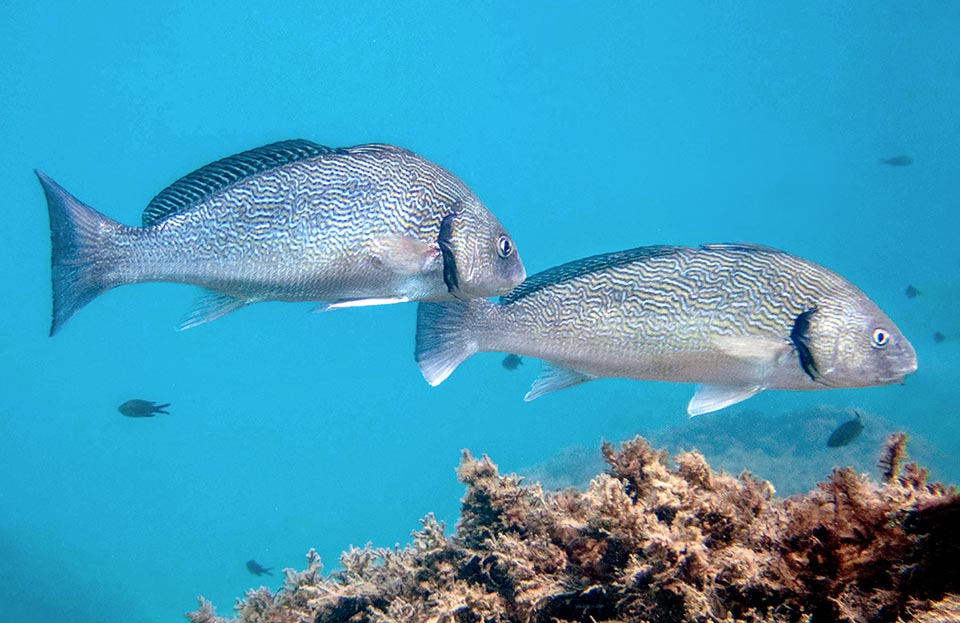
{"x":505,"y":246}
{"x":880,"y":338}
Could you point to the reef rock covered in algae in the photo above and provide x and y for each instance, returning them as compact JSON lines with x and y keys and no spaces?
{"x":650,"y":541}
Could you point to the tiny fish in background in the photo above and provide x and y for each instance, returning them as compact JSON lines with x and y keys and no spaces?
{"x":846,"y":432}
{"x":897,"y":161}
{"x":939,"y":337}
{"x":291,"y":221}
{"x":512,"y":362}
{"x":142,"y":408}
{"x":257,"y":569}
{"x":911,"y":292}
{"x":735,"y":318}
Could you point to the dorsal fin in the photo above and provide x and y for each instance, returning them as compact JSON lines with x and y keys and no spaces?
{"x":748,"y":247}
{"x":585,"y":266}
{"x":193,"y":188}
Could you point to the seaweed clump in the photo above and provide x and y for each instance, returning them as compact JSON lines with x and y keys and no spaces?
{"x":649,"y":541}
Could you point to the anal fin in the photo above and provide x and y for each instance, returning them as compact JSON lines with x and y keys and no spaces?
{"x":210,"y":306}
{"x":710,"y":398}
{"x":552,"y":378}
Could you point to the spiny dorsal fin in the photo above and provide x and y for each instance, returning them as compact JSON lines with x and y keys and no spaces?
{"x":193,"y":188}
{"x":747,"y":247}
{"x":585,"y":266}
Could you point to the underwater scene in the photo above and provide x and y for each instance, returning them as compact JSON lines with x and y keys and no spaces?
{"x":461,"y":312}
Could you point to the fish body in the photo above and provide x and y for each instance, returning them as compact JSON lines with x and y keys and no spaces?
{"x":257,"y":569}
{"x":142,"y":408}
{"x":734,"y":318}
{"x":897,"y":161}
{"x":846,"y":432}
{"x":291,"y":221}
{"x":911,"y":292}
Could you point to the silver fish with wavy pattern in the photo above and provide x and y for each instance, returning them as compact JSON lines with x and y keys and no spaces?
{"x":734,"y":318}
{"x":291,"y":221}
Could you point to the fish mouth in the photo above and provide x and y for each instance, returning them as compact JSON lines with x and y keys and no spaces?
{"x":907,"y":360}
{"x":518,"y":277}
{"x":892,"y":380}
{"x":899,"y":375}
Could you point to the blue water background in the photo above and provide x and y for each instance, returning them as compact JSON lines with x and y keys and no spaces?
{"x":585,"y":127}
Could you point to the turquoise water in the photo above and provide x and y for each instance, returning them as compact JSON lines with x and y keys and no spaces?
{"x":584,"y":129}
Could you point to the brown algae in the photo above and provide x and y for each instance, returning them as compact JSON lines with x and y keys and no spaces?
{"x":650,"y":540}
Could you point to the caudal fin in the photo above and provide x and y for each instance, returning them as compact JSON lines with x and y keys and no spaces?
{"x":444,"y":338}
{"x":82,"y":255}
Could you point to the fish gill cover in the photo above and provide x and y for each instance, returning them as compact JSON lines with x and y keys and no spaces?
{"x":648,"y":541}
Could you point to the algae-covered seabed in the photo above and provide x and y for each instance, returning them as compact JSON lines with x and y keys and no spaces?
{"x":648,"y":541}
{"x":585,"y":129}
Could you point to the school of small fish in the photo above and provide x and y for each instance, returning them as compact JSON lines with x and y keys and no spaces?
{"x":376,"y":224}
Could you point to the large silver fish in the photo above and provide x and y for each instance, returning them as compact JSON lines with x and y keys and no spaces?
{"x":736,"y":318}
{"x":292,"y":221}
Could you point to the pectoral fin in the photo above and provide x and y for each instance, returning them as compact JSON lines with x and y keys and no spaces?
{"x":710,"y":398}
{"x":751,"y":349}
{"x":552,"y":378}
{"x":210,"y":306}
{"x":406,"y":255}
{"x":345,"y":303}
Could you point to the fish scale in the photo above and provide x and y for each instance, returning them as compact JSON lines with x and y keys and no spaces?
{"x":291,"y":221}
{"x":229,"y":222}
{"x":671,"y":284}
{"x":735,"y":318}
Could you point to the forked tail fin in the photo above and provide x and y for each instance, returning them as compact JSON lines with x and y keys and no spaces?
{"x":83,"y":257}
{"x":444,"y":337}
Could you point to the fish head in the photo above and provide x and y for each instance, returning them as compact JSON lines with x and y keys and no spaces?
{"x":480,"y":258}
{"x":857,"y":345}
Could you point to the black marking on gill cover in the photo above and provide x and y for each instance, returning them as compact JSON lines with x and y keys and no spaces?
{"x":450,"y":275}
{"x":214,"y":177}
{"x":798,"y":335}
{"x":585,"y":266}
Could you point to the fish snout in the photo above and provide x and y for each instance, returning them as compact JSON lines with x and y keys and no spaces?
{"x":901,"y":364}
{"x":908,"y":357}
{"x":516,"y":274}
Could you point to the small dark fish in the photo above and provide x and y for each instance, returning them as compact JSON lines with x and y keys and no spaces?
{"x":512,"y":362}
{"x":142,"y":408}
{"x":911,"y":292}
{"x":846,"y":432}
{"x":939,"y":337}
{"x":897,"y":161}
{"x":256,"y":568}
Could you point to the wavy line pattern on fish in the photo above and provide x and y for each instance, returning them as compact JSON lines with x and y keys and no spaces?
{"x":291,"y":221}
{"x":736,"y":318}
